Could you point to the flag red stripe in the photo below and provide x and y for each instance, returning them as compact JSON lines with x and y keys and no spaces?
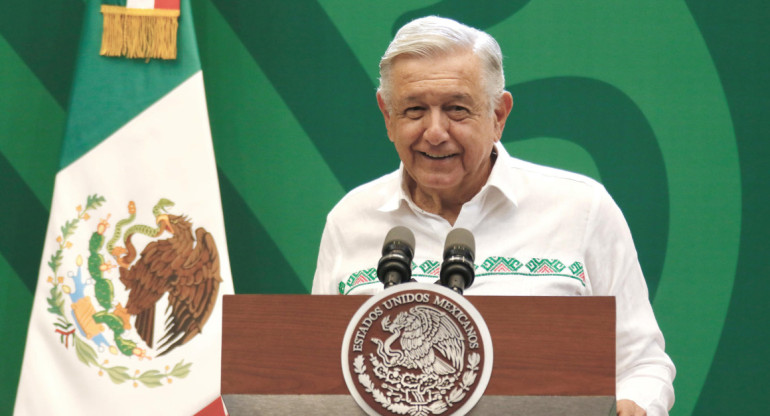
{"x":215,"y":408}
{"x":167,"y":4}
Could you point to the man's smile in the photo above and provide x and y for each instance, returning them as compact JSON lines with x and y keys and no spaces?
{"x":438,"y":156}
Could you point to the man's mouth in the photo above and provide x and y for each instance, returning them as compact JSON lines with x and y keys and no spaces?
{"x":438,"y":156}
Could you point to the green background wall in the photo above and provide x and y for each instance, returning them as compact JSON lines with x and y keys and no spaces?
{"x":663,"y":101}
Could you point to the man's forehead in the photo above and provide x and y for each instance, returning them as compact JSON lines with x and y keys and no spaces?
{"x":443,"y":72}
{"x":465,"y":64}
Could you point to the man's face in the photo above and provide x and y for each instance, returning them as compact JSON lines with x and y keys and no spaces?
{"x":440,"y":122}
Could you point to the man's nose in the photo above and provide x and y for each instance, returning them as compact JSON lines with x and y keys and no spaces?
{"x":437,"y":127}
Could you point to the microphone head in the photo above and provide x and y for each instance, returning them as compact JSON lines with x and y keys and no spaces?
{"x":394,"y":266}
{"x":457,"y":270}
{"x":399,"y":238}
{"x":460,"y":239}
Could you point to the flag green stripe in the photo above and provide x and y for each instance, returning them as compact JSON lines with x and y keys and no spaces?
{"x":109,"y":92}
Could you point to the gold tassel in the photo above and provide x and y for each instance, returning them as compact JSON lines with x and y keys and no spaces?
{"x":139,"y":33}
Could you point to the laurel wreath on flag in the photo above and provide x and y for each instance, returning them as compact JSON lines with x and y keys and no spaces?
{"x":65,"y":328}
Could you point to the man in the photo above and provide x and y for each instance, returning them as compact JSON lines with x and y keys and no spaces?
{"x":443,"y":100}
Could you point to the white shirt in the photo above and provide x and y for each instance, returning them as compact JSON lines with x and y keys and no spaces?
{"x":538,"y":231}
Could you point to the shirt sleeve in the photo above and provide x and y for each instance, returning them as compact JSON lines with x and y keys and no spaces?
{"x":644,"y":372}
{"x":327,"y":263}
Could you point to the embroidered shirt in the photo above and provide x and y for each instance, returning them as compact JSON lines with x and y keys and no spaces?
{"x":538,"y":231}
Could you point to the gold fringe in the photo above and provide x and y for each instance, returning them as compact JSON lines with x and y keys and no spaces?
{"x":139,"y":33}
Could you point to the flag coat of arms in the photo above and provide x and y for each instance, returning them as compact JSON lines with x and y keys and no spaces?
{"x":128,"y":306}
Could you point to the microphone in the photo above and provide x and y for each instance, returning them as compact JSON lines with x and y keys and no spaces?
{"x":395,"y":265}
{"x":457,"y":269}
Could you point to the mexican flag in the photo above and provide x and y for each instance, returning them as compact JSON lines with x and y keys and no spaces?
{"x":128,"y":306}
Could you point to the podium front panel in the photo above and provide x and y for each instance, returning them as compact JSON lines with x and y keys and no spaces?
{"x":289,"y":346}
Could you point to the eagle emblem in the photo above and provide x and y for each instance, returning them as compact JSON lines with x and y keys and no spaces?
{"x":430,"y":342}
{"x":417,"y":349}
{"x":185,"y":266}
{"x":108,"y":306}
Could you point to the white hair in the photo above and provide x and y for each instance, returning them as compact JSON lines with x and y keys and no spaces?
{"x":433,"y":36}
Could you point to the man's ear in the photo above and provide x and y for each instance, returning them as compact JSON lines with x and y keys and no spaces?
{"x":503,"y":109}
{"x":385,"y":112}
{"x":383,"y":107}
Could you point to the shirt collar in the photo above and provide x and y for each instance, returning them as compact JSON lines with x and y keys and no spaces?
{"x":500,"y":177}
{"x":497,"y":180}
{"x":396,"y":195}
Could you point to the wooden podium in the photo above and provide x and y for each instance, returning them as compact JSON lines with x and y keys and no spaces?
{"x":552,"y":355}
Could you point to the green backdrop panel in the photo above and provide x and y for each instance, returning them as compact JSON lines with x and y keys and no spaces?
{"x":666,"y":102}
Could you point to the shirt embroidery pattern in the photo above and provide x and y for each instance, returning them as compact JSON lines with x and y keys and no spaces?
{"x":576,"y":269}
{"x":545,"y":266}
{"x":360,"y":278}
{"x":428,"y":267}
{"x":491,"y":266}
{"x":501,"y":264}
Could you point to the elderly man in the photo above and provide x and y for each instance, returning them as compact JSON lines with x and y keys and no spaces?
{"x":539,"y":231}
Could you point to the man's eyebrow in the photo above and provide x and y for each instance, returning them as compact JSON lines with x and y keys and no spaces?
{"x":462,"y":97}
{"x":453,"y":97}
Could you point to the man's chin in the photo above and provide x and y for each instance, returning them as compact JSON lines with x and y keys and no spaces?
{"x":437,"y":183}
{"x":431,"y":181}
